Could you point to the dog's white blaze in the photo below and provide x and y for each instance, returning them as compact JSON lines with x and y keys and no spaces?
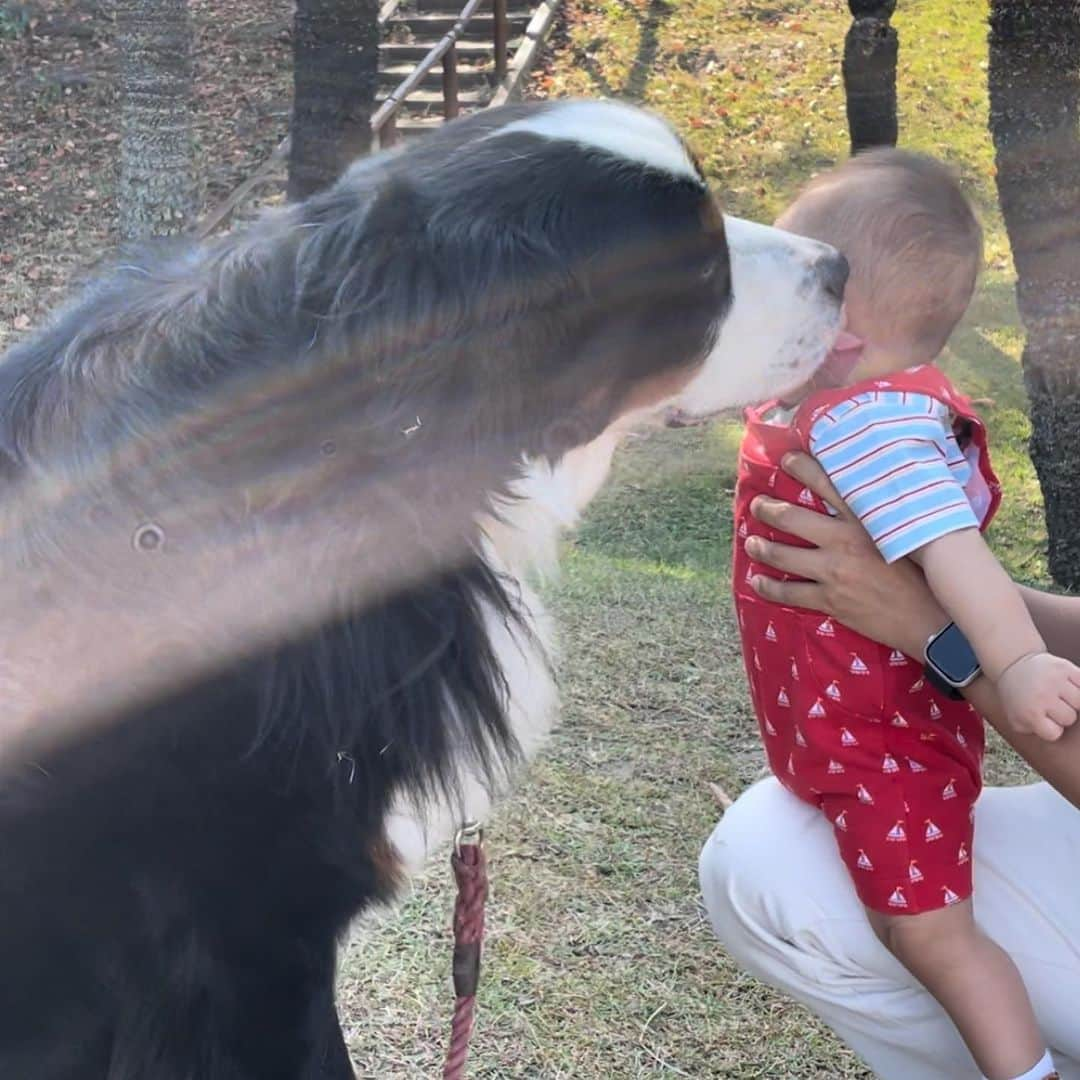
{"x":522,"y":539}
{"x":781,"y":324}
{"x":637,"y":136}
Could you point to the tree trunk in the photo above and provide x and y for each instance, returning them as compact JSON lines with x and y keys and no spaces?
{"x":335,"y":73}
{"x":1034,"y":102}
{"x":157,"y":192}
{"x":870,"y":51}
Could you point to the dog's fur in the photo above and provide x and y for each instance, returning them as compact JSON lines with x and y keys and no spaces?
{"x":329,"y":449}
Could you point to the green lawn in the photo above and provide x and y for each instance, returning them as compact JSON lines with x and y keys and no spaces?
{"x":599,"y":962}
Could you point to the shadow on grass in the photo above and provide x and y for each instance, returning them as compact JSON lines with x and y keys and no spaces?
{"x":657,"y":12}
{"x":642,"y":66}
{"x":670,"y":504}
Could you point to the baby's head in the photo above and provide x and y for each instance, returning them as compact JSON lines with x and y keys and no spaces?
{"x":914,"y":245}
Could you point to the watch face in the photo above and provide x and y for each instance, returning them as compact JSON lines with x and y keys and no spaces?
{"x":953,"y":656}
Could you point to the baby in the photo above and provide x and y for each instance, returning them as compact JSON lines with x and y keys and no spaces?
{"x":891,"y":756}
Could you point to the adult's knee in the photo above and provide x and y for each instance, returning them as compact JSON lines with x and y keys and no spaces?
{"x":755,"y":867}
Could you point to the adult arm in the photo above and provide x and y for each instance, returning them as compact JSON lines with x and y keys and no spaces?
{"x":849,"y":580}
{"x":1057,"y":619}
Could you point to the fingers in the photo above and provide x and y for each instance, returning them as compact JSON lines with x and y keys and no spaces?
{"x":807,"y":471}
{"x":1062,"y":714}
{"x":1070,"y":695}
{"x":806,"y":562}
{"x":800,"y":594}
{"x":817,"y":529}
{"x":1045,"y":729}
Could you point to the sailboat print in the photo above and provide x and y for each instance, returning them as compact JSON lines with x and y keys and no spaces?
{"x":858,"y":667}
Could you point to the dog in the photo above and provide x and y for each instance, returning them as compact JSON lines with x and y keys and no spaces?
{"x":315,"y":464}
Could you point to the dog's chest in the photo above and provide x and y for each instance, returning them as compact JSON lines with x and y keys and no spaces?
{"x":522,"y":539}
{"x":523,"y":653}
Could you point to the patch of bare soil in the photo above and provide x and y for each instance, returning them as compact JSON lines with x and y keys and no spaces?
{"x":60,"y":130}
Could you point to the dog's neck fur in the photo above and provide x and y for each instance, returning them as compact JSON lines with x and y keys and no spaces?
{"x":549,"y":500}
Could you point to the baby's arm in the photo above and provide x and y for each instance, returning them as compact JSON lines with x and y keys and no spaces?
{"x":888,"y":457}
{"x":1038,"y":690}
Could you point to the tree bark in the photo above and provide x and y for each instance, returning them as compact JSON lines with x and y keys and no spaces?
{"x":870,"y":52}
{"x":157,"y":192}
{"x":335,"y":74}
{"x":1034,"y":107}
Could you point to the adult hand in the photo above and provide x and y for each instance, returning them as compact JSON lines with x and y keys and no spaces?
{"x":848,"y":578}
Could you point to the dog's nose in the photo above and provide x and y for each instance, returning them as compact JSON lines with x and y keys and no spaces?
{"x":833,"y":271}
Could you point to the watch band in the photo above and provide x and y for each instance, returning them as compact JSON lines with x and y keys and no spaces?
{"x":941,"y":684}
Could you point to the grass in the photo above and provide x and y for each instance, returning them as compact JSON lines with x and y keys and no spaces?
{"x":599,"y":962}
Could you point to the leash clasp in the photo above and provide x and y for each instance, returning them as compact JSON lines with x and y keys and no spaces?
{"x":470,"y":832}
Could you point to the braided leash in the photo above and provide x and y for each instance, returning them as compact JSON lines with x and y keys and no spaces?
{"x":470,"y":872}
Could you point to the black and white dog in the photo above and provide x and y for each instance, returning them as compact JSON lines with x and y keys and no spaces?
{"x":313,"y":464}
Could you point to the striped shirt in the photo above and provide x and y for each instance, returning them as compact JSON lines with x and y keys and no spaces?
{"x":895,"y":461}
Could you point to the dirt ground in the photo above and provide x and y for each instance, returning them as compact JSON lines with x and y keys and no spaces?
{"x":60,"y":130}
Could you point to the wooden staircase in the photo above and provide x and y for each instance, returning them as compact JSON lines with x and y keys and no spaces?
{"x":427,"y":72}
{"x":414,"y":29}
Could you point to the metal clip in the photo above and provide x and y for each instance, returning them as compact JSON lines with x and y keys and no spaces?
{"x":470,"y":832}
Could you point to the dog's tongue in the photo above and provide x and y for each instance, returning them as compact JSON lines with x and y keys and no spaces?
{"x":838,"y":365}
{"x":846,"y":340}
{"x":841,"y":361}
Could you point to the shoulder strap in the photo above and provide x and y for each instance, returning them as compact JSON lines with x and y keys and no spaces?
{"x":925,"y":379}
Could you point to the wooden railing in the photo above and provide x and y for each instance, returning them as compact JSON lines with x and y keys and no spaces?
{"x":384,"y":121}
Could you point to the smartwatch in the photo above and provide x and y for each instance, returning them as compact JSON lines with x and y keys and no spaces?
{"x":951,"y":663}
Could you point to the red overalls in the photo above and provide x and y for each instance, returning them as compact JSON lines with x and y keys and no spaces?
{"x":850,"y":725}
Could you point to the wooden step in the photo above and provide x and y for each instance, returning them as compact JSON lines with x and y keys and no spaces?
{"x":435,"y":24}
{"x":470,"y":76}
{"x":440,"y":5}
{"x":393,"y":52}
{"x":410,"y":128}
{"x":426,"y":102}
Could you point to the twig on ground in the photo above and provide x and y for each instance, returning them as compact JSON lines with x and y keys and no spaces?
{"x":721,"y":797}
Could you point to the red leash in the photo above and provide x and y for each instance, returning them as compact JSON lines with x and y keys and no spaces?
{"x":470,"y":871}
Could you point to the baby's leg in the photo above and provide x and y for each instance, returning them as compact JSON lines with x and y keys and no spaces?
{"x":974,"y":980}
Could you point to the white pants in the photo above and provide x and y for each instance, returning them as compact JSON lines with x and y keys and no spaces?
{"x":780,"y":899}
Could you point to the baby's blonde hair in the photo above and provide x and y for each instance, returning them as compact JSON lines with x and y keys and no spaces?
{"x":910,"y":235}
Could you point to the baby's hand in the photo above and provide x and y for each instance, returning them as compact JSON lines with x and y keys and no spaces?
{"x":1041,"y":695}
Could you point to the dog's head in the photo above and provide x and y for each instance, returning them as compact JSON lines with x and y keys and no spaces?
{"x":577,"y":247}
{"x":517,"y":282}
